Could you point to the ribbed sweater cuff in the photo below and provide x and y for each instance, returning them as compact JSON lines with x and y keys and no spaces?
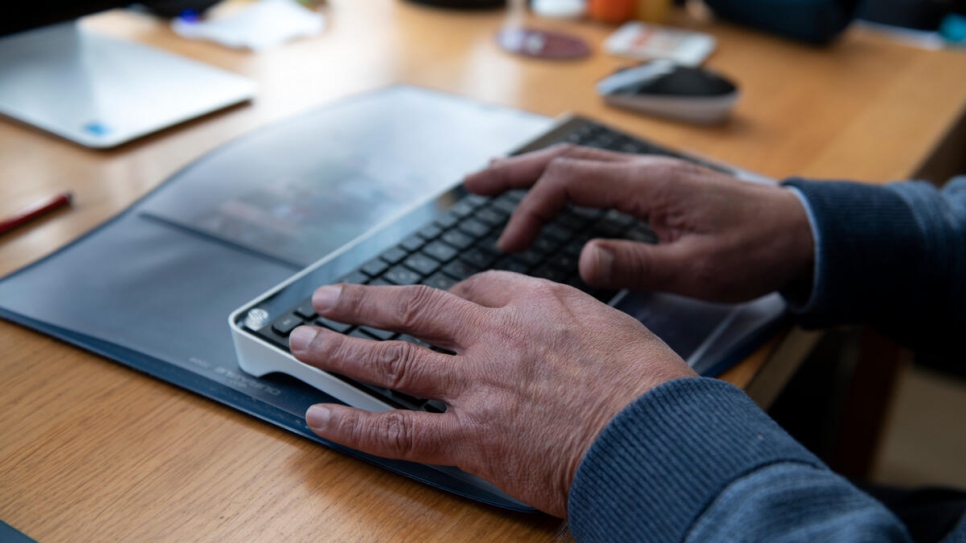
{"x":660,"y":462}
{"x":861,"y":231}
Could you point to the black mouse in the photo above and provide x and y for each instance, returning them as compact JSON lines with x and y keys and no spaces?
{"x":668,"y":89}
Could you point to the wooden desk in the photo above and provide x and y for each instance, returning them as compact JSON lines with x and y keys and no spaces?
{"x":91,"y":451}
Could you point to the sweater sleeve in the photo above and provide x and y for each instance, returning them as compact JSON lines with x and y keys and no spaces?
{"x":696,"y":460}
{"x":893,"y":257}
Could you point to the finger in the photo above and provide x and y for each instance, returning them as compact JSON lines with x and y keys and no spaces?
{"x":606,"y":263}
{"x":426,"y":438}
{"x":522,"y":171}
{"x":491,"y":288}
{"x":396,"y":365}
{"x":432,"y":315}
{"x":586,"y":183}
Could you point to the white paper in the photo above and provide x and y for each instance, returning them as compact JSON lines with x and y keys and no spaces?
{"x":644,"y":41}
{"x":263,"y":25}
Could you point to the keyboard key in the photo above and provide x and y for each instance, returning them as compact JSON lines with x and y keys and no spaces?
{"x":490,"y":217}
{"x":531,"y":256}
{"x":394,"y":255}
{"x":305,"y":310}
{"x":479,"y":258}
{"x":413,"y":243}
{"x":355,"y":278}
{"x":475,"y":200}
{"x":431,"y":232}
{"x":463,"y":208}
{"x":358,"y":333}
{"x":410,"y":339}
{"x":474,"y":228}
{"x":617,"y":217}
{"x":435,"y":406}
{"x":551,"y":273}
{"x":423,"y":264}
{"x":332,"y":325}
{"x":558,"y":232}
{"x":285,"y":324}
{"x":588,"y":213}
{"x":488,"y":244}
{"x":375,"y":267}
{"x":440,"y":281}
{"x":401,"y":275}
{"x":511,"y":264}
{"x":563,"y":261}
{"x":460,"y":269}
{"x":546,"y":244}
{"x":440,"y":251}
{"x":447,"y":221}
{"x":505,"y":205}
{"x":457,"y":239}
{"x":383,"y":335}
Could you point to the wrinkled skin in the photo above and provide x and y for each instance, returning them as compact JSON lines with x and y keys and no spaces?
{"x":540,"y":368}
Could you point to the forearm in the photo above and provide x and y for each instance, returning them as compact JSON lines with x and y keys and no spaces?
{"x":892,"y":257}
{"x":692,"y":453}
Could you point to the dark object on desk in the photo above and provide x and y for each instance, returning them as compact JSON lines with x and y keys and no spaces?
{"x":175,"y":8}
{"x":812,"y":21}
{"x":35,"y":211}
{"x":462,"y":4}
{"x":916,"y":14}
{"x":666,"y":89}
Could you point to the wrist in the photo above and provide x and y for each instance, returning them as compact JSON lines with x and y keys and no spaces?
{"x":802,"y":243}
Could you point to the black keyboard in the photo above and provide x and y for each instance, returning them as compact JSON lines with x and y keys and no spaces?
{"x":462,"y":242}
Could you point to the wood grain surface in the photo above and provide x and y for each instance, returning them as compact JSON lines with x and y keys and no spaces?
{"x":91,"y":451}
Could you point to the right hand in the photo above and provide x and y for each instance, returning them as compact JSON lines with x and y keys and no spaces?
{"x":721,"y":239}
{"x":538,"y":370}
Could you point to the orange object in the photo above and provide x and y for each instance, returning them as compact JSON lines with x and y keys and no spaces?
{"x":612,"y":11}
{"x":653,"y":11}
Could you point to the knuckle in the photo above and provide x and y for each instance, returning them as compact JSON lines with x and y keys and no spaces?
{"x":395,"y":429}
{"x":396,"y":361}
{"x":414,"y":304}
{"x":557,"y":166}
{"x":544,"y":288}
{"x":565,"y":149}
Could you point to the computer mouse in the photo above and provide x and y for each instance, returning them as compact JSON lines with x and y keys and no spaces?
{"x":667,"y":89}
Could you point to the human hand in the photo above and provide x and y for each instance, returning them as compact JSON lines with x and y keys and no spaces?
{"x":540,"y":368}
{"x":721,"y":239}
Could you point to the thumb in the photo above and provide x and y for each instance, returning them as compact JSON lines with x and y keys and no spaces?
{"x":607,"y":263}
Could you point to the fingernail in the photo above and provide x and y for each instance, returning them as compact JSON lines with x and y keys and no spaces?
{"x":317,"y":417}
{"x":301,"y":337}
{"x":603,"y":263}
{"x":501,"y":242}
{"x":326,"y":297}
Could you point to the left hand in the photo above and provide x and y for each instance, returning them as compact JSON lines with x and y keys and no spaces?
{"x":540,"y":369}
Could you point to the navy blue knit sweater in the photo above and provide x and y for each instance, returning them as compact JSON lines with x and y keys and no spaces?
{"x":697,"y":460}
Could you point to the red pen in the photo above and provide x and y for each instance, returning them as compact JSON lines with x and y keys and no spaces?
{"x":31,"y":212}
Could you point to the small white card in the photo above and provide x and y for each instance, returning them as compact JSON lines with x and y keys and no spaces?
{"x":262,"y":25}
{"x":645,"y":41}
